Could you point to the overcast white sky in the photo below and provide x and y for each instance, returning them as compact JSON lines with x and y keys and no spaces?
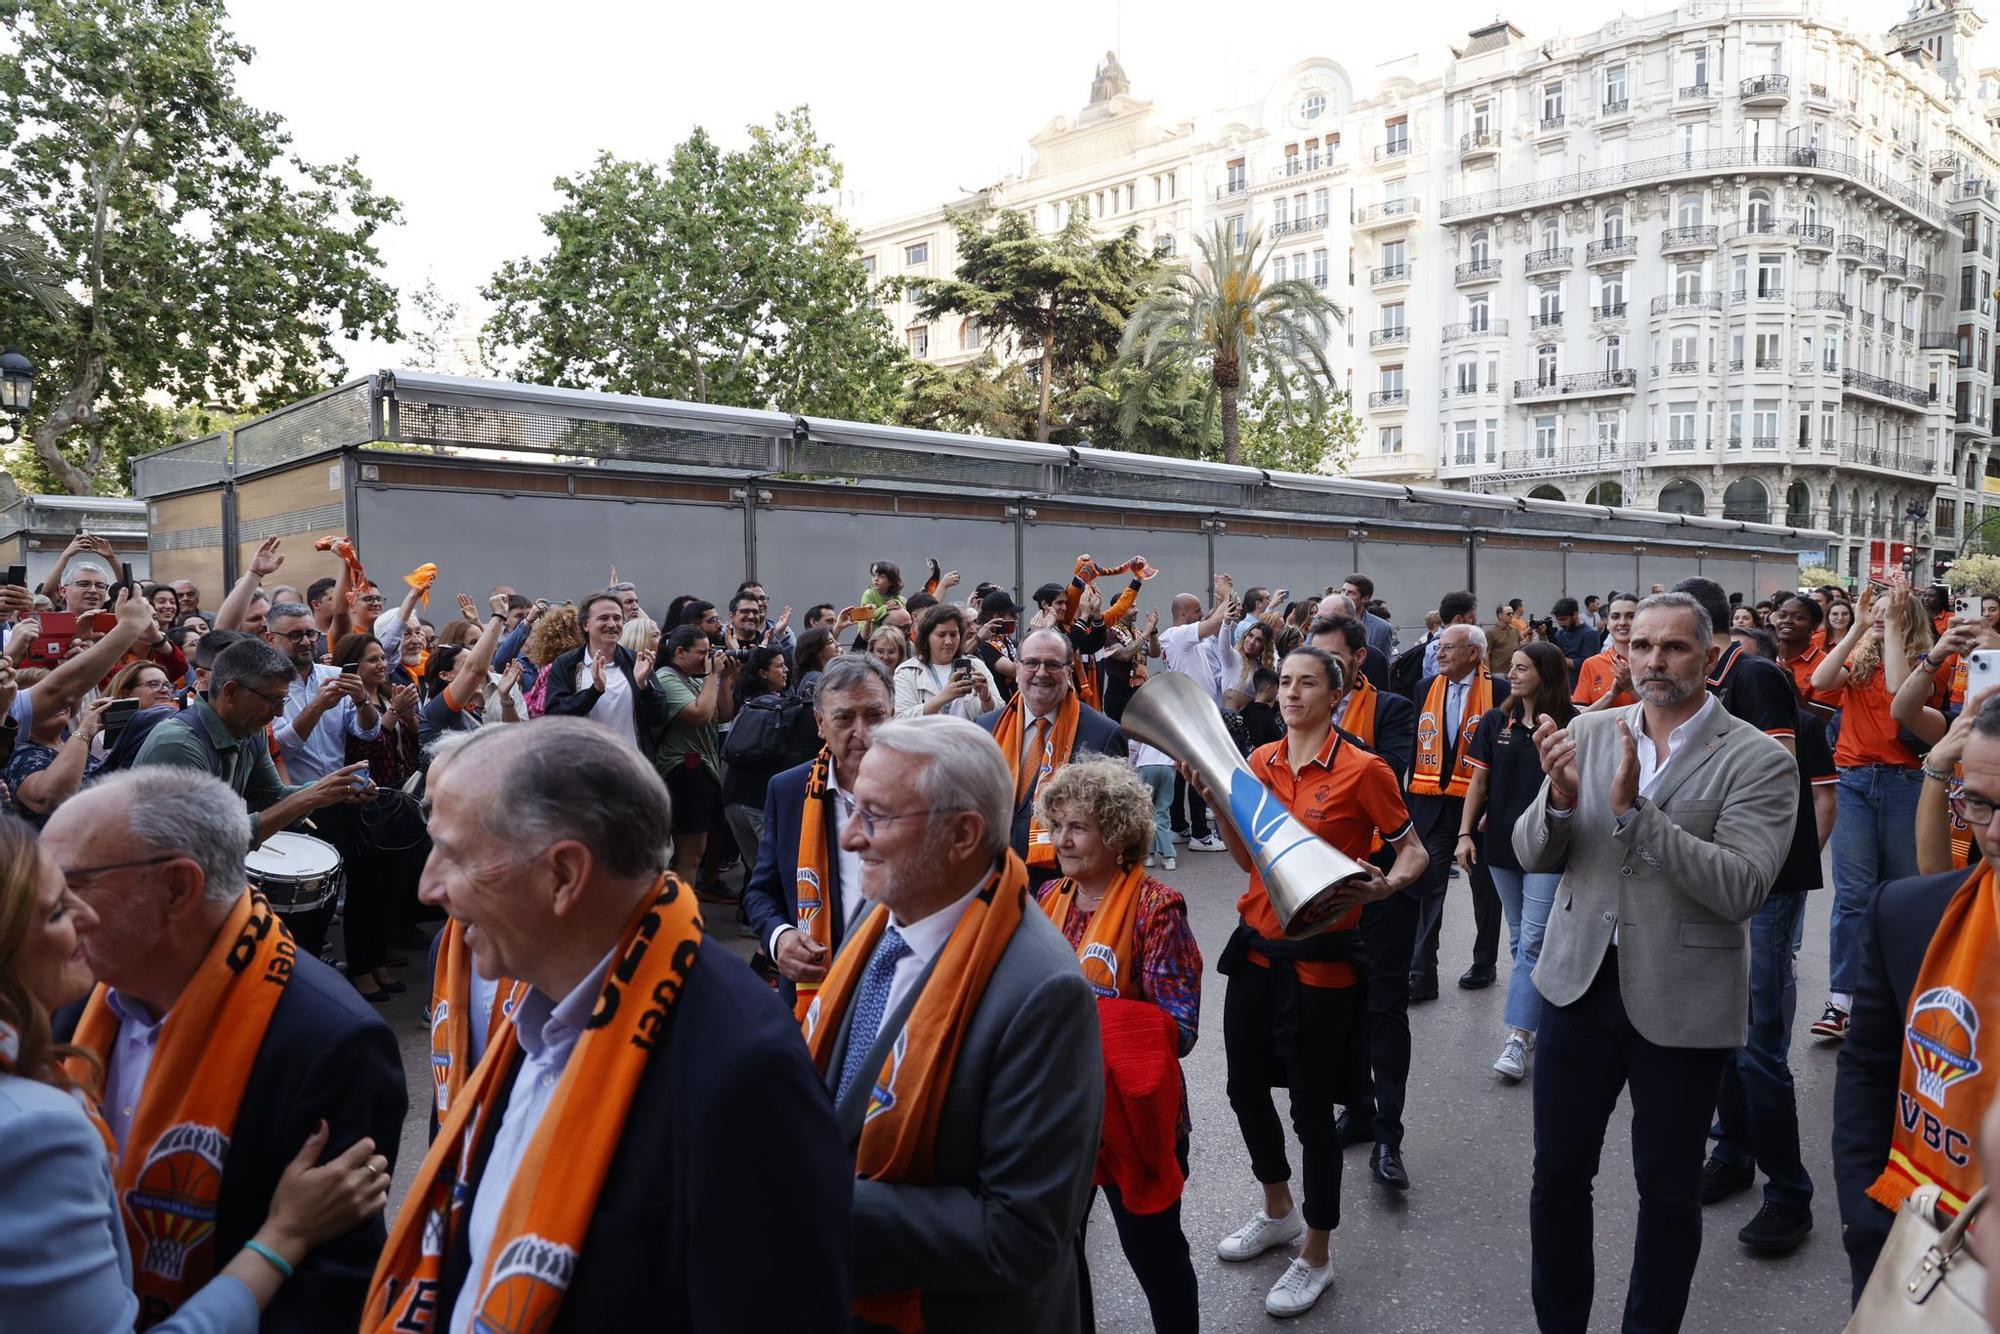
{"x":467,"y":112}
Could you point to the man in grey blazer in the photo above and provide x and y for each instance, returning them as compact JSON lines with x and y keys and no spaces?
{"x":989,"y":1235}
{"x":1668,"y":820}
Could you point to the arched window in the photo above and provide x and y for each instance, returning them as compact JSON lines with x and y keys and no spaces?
{"x":1614,"y":353}
{"x":1875,"y":513}
{"x":1683,"y":497}
{"x":1689,"y":213}
{"x":1614,"y":222}
{"x":1746,"y":499}
{"x":1812,"y":210}
{"x":1477,"y":250}
{"x":1833,"y":508}
{"x":1546,"y":492}
{"x":1551,"y":233}
{"x":1758,"y":214}
{"x":1478,"y":313}
{"x":1798,"y":505}
{"x":1606,"y":493}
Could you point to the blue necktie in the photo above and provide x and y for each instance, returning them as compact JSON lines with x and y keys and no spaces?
{"x":870,"y":1005}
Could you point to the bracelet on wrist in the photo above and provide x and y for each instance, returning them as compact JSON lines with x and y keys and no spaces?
{"x":278,"y":1262}
{"x":1939,"y":776}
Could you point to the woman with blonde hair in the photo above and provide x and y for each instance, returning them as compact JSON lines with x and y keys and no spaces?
{"x":65,"y":1262}
{"x":554,"y":635}
{"x":1137,"y":951}
{"x":890,"y":646}
{"x":641,"y":635}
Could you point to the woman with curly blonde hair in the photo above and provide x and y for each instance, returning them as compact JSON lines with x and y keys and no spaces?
{"x":1133,"y":941}
{"x":554,"y":635}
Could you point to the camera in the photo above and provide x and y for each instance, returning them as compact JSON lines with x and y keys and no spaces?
{"x":736,"y":654}
{"x":1545,"y":627}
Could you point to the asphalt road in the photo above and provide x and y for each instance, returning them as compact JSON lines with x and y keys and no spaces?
{"x":1451,"y":1254}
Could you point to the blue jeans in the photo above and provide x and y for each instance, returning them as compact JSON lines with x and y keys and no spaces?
{"x":1756,"y":1113}
{"x":1160,"y":778}
{"x":1526,"y":899}
{"x":1874,"y":839}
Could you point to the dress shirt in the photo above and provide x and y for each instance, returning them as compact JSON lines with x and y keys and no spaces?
{"x":389,"y":629}
{"x":614,"y":707}
{"x":482,"y":993}
{"x":547,"y":1032}
{"x":851,"y":902}
{"x":131,"y":1058}
{"x":317,"y":754}
{"x":925,"y":939}
{"x":1431,"y":654}
{"x":1181,"y":646}
{"x":1651,"y":766}
{"x":1028,"y":724}
{"x":1454,"y":707}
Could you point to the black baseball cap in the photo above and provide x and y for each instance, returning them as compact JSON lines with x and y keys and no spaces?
{"x":996,"y":604}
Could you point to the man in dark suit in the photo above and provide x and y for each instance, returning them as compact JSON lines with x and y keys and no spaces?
{"x":1045,"y":694}
{"x":985,"y":1237}
{"x":852,"y":701}
{"x":725,"y":1118}
{"x":1359,"y":590}
{"x":158,"y":853}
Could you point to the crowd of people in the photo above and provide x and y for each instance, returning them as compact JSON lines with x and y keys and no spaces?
{"x":234,"y":833}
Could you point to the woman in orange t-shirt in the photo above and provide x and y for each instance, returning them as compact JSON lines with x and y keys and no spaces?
{"x":1880,"y":778}
{"x":1289,"y":1016}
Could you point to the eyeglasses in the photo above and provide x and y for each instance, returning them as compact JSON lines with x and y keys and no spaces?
{"x":869,"y":819}
{"x":294,"y":636}
{"x":1977,"y":812}
{"x":275,"y":701}
{"x":82,"y":872}
{"x":1044,"y":664}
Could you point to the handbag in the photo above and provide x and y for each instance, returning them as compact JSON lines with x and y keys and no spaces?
{"x":1925,"y":1279}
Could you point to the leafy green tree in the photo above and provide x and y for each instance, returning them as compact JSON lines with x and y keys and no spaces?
{"x":1225,"y":318}
{"x":1976,"y":574}
{"x":207,"y":261}
{"x":1279,"y":433}
{"x":1061,"y":299}
{"x":27,"y":273}
{"x":981,"y":397}
{"x":716,"y":277}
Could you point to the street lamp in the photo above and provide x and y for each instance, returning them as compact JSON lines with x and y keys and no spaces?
{"x":1916,"y":516}
{"x":17,"y":393}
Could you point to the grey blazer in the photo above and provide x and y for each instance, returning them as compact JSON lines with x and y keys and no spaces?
{"x":1679,"y":883}
{"x":64,"y":1263}
{"x":990,"y":1240}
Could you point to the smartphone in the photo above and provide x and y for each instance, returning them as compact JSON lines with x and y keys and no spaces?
{"x":1982,"y":669}
{"x":962,"y":668}
{"x":126,"y":568}
{"x":17,"y":575}
{"x":116,"y":714}
{"x":1964,"y":605}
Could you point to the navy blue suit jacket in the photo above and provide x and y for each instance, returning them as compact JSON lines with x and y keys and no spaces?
{"x":1094,"y":732}
{"x":1895,"y":932}
{"x":1424,"y":811}
{"x":771,"y":895}
{"x":327,"y":1055}
{"x":1395,"y":731}
{"x":729,"y":1123}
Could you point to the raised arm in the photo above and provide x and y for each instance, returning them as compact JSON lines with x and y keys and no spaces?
{"x":1831,"y":674}
{"x":267,"y":562}
{"x":72,"y":678}
{"x":470,"y":681}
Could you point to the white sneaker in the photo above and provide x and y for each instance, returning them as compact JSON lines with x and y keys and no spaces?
{"x":1180,"y":835}
{"x":1210,"y":844}
{"x":1513,"y":1062}
{"x":1169,"y":863}
{"x":1151,"y":859}
{"x":1298,"y":1288}
{"x":1260,"y":1234}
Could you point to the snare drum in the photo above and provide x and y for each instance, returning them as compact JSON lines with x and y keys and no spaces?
{"x":296,"y":872}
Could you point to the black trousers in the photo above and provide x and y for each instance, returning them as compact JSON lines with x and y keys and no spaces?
{"x":1157,"y":1250}
{"x":1442,"y":844}
{"x":1190,"y":812}
{"x":1584,"y":1054}
{"x":1327,"y":1024}
{"x":1378,"y":1061}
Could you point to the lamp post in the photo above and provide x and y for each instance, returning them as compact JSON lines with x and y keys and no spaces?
{"x":17,"y":393}
{"x":1916,"y":516}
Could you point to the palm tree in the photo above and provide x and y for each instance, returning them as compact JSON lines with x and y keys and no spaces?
{"x":26,"y":270}
{"x":1224,"y":317}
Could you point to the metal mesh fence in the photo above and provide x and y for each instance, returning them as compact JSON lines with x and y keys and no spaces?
{"x":315,"y":425}
{"x":198,"y":463}
{"x":457,"y":425}
{"x":818,"y":458}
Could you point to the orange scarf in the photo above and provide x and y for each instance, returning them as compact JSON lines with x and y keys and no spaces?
{"x":451,"y":1016}
{"x":1358,"y":719}
{"x":813,"y":912}
{"x":1427,"y":778}
{"x":1109,"y":953}
{"x":1088,"y":683}
{"x":169,"y":1177}
{"x":554,"y":1194}
{"x":900,"y":1131}
{"x":1945,"y":1088}
{"x":1055,"y":753}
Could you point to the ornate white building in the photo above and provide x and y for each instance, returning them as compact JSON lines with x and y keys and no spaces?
{"x":1735,"y":258}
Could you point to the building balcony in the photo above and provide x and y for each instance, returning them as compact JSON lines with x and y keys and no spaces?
{"x":1939,"y":340}
{"x":1477,"y":144}
{"x":1825,"y":299}
{"x":1765,"y":443}
{"x":1556,"y":259}
{"x":1551,"y":124}
{"x":1972,"y":189}
{"x":1875,"y":258}
{"x":1397,"y":336}
{"x":1235,"y":187}
{"x":1867,"y":319}
{"x":1687,"y":301}
{"x":1301,"y":226}
{"x":1613,"y":250}
{"x":1905,"y":396}
{"x":1764,"y":90}
{"x":1616,"y":106}
{"x":1391,"y":151}
{"x":1816,"y":163}
{"x":1762,"y":229}
{"x":1477,"y":271}
{"x":1388,"y":213}
{"x":1851,"y":247}
{"x":1610,"y":310}
{"x":1459,"y":333}
{"x":1815,"y":236}
{"x":1474,"y":390}
{"x":1389,"y":399}
{"x":1696,"y":92}
{"x":1680,"y":368}
{"x":1895,"y":460}
{"x":1917,"y":278}
{"x":1946,"y":164}
{"x":1743,"y":297}
{"x":1569,"y":460}
{"x":1897,"y":267}
{"x":1589,"y":384}
{"x":1541,"y":323}
{"x":1683,"y":240}
{"x":1303,"y":166}
{"x":1389,"y":275}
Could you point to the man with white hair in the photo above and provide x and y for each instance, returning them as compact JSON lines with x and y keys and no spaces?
{"x":960,"y":1044}
{"x":647,"y":1103}
{"x":223,"y":1047}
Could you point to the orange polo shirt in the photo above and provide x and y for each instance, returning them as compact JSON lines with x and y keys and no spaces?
{"x":1594,"y":679}
{"x":1868,"y":735}
{"x":1346,"y":795}
{"x":1802,"y":668}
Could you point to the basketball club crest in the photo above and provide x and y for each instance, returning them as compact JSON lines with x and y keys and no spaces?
{"x":440,"y":1052}
{"x":528,"y":1283}
{"x":1106,"y":960}
{"x":884,"y":1096}
{"x":1943,"y":1035}
{"x":173,"y":1202}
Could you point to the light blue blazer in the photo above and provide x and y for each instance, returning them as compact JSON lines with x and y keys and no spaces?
{"x":64,"y":1263}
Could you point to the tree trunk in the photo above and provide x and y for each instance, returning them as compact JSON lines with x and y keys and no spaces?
{"x":1232,"y":440}
{"x":1047,"y":376}
{"x":73,"y":409}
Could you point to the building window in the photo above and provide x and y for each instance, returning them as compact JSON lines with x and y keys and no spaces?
{"x":1549,"y":304}
{"x":1482,"y":118}
{"x":1698,"y":66}
{"x":1680,"y":425}
{"x":1479,"y":249}
{"x":915,"y":255}
{"x":1611,"y":294}
{"x":868,"y":265}
{"x":1614,"y":223}
{"x":1770,"y":275}
{"x":920,"y":340}
{"x":1614,"y":354}
{"x":1552,"y":103}
{"x":1545,"y":438}
{"x":1392,"y":439}
{"x":1167,"y":245}
{"x":1398,"y":133}
{"x":1235,"y":177}
{"x":1319,"y":207}
{"x":1236,"y":229}
{"x":1478,"y":314}
{"x":1319,"y":268}
{"x":1769,"y":355}
{"x":1689,"y":212}
{"x":1468,"y":376}
{"x":1465,"y":442}
{"x":1614,"y":87}
{"x":1312,"y":109}
{"x":1545,"y":365}
{"x":970,"y":337}
{"x":1492,"y":439}
{"x":1281,"y":216}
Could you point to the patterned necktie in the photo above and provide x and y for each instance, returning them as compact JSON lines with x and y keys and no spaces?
{"x":1031,"y":761}
{"x":870,"y":1005}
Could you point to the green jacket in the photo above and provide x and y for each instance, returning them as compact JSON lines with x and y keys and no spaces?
{"x":242,"y":762}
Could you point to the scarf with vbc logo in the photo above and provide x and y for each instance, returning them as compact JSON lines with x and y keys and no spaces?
{"x":899,"y":1134}
{"x":1427,"y":779}
{"x":1109,"y":953}
{"x":451,"y":1015}
{"x":538,"y":1236}
{"x":1056,"y":747}
{"x":1358,"y":718}
{"x":1945,"y":1087}
{"x":814,"y":912}
{"x":169,"y":1177}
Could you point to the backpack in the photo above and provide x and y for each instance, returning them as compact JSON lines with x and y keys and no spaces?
{"x":1407,"y":671}
{"x":761,"y":736}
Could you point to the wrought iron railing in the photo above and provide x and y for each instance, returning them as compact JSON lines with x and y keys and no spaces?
{"x":1617,"y":106}
{"x":1609,"y":310}
{"x":1875,"y":384}
{"x":1550,"y":320}
{"x":1554,"y":122}
{"x":1615,"y":247}
{"x":1589,"y":382}
{"x":1478,"y":141}
{"x":1687,"y":238}
{"x":1687,"y":301}
{"x":1544,"y":261}
{"x":1878,"y":456}
{"x":1390,"y":337}
{"x":1458,"y":333}
{"x":1816,"y":234}
{"x":1477,"y":270}
{"x":1825,"y":299}
{"x":1394,"y":149}
{"x":1386,"y":211}
{"x":1764,"y":85}
{"x":1388,"y":273}
{"x":1389,"y":398}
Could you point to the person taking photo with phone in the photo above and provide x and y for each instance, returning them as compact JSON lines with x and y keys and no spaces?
{"x":940,"y":676}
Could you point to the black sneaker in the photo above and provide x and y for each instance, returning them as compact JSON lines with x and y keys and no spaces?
{"x":1778,"y":1229}
{"x":1720,"y":1180}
